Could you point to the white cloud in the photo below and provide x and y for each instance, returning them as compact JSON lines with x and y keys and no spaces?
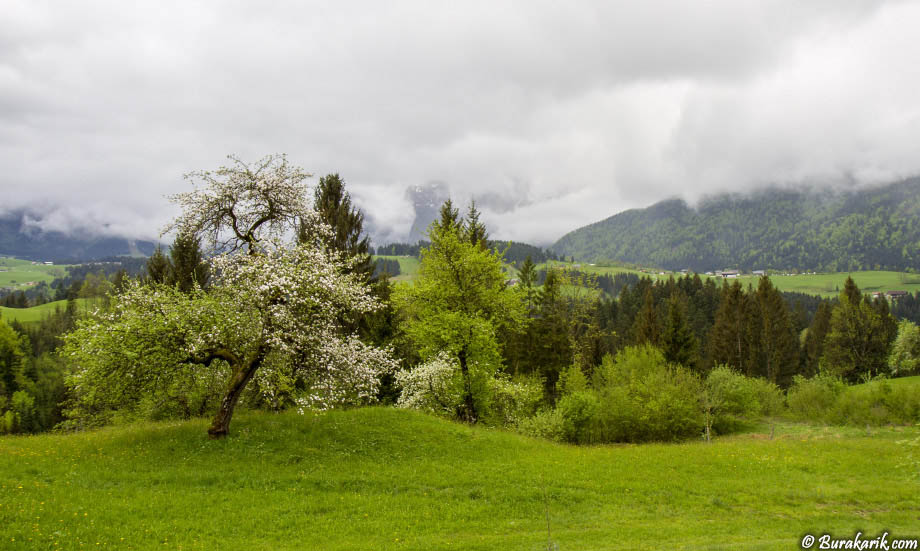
{"x":580,"y":110}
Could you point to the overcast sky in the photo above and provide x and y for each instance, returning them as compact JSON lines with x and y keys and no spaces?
{"x":557,"y":113}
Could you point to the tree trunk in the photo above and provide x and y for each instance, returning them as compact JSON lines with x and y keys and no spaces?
{"x":241,"y":376}
{"x":468,"y":411}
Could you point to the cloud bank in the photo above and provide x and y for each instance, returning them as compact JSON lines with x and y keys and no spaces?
{"x":552,"y":115}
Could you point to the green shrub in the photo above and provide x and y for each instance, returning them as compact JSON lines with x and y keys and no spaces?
{"x":8,"y":422}
{"x":769,"y":397}
{"x":578,"y":410}
{"x":434,"y":386}
{"x":875,"y":403}
{"x":642,"y":397}
{"x":733,"y":400}
{"x":572,"y":380}
{"x":547,"y":423}
{"x":811,"y":399}
{"x":512,"y":400}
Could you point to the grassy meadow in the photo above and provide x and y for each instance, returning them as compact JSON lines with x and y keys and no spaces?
{"x":408,"y":266}
{"x":381,"y":478}
{"x":825,"y":285}
{"x":38,"y":313}
{"x":22,"y":274}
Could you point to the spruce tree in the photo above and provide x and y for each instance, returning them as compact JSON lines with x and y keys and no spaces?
{"x":814,"y":339}
{"x":527,"y":276}
{"x":728,"y":339}
{"x":857,"y":341}
{"x":449,"y":219}
{"x":187,"y":263}
{"x":778,"y":342}
{"x":552,"y":351}
{"x":333,"y":203}
{"x":475,"y":230}
{"x":645,"y":329}
{"x":678,"y":342}
{"x":158,"y":267}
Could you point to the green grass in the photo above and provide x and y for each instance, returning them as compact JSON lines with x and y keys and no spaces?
{"x":408,"y":266}
{"x":826,"y":285}
{"x":382,"y":478}
{"x":22,"y":274}
{"x":38,"y":313}
{"x":829,"y":285}
{"x":906,"y":382}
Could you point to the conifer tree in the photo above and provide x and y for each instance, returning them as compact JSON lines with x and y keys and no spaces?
{"x":333,"y":204}
{"x":187,"y":264}
{"x":476,"y":230}
{"x":645,"y":329}
{"x":778,"y":342}
{"x":527,"y":276}
{"x":814,"y":339}
{"x":857,"y":340}
{"x":158,"y":268}
{"x":728,"y":339}
{"x":449,"y":219}
{"x":678,"y":342}
{"x":552,"y":351}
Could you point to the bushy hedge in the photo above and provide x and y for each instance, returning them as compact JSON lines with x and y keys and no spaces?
{"x":732,"y":400}
{"x":635,"y":397}
{"x":826,"y":399}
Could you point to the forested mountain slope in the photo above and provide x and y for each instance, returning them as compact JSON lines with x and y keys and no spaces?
{"x":19,"y":239}
{"x":874,"y":228}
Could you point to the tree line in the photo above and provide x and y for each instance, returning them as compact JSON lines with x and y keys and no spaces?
{"x":269,"y":298}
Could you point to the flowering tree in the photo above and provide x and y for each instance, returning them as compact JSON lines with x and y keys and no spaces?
{"x":273,"y":313}
{"x":456,"y":307}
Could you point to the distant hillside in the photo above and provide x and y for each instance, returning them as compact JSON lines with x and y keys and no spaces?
{"x":875,"y":228}
{"x":22,"y":241}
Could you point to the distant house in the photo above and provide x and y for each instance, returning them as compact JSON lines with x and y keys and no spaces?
{"x":730,"y":274}
{"x":49,"y":263}
{"x":759,"y":272}
{"x":897,"y":294}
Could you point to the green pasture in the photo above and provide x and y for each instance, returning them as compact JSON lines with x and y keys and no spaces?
{"x":381,"y":478}
{"x":408,"y":266}
{"x":826,"y":285}
{"x":38,"y":313}
{"x":22,"y":274}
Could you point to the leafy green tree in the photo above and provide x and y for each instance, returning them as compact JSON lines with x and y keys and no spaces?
{"x":458,"y":305}
{"x":905,"y":352}
{"x":271,"y":315}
